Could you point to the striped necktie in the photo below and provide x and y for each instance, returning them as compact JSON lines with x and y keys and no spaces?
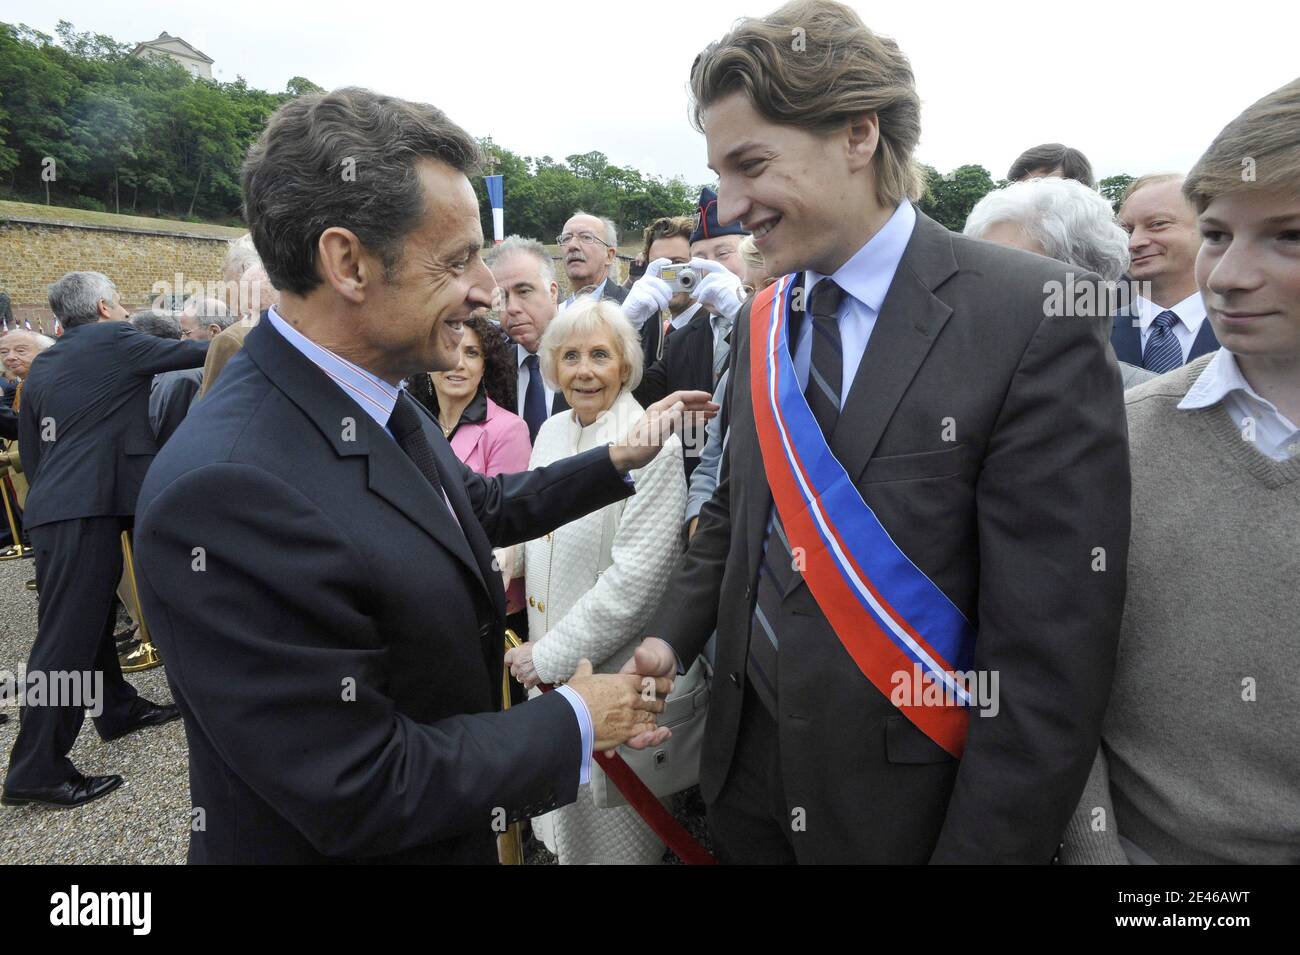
{"x":1164,"y":352}
{"x":778,"y":570}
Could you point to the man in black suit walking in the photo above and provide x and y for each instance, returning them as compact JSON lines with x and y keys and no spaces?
{"x":86,"y":443}
{"x":915,"y":558}
{"x":336,"y":647}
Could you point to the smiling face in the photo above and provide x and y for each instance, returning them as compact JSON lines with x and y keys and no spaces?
{"x":586,"y":263}
{"x":591,"y":373}
{"x":1163,"y":238}
{"x":461,"y":382}
{"x":808,"y":199}
{"x":414,"y":321}
{"x":1248,"y":271}
{"x":723,"y":250}
{"x":528,"y":300}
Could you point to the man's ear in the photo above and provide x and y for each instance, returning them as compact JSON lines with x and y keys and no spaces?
{"x":555,"y":293}
{"x":863,"y":140}
{"x":213,"y":330}
{"x":105,"y":310}
{"x":344,"y":264}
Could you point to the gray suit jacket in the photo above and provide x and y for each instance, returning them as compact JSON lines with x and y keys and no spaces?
{"x":1006,"y":519}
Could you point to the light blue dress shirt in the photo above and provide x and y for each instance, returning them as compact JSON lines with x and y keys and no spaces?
{"x":377,"y":399}
{"x":865,"y":278}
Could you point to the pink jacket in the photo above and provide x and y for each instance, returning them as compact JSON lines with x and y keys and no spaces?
{"x":497,"y":445}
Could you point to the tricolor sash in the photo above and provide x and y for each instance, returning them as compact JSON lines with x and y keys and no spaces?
{"x":889,"y":616}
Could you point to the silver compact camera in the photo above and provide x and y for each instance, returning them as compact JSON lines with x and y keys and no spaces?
{"x":682,"y":278}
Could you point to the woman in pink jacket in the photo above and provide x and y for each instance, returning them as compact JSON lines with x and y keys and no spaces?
{"x":468,"y":402}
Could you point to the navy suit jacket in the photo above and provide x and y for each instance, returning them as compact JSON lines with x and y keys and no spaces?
{"x":333,"y":639}
{"x":89,"y":394}
{"x":1126,"y":338}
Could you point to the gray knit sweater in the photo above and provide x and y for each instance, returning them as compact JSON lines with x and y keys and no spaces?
{"x":1200,"y":754}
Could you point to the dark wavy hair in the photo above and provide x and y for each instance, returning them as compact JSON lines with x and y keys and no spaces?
{"x":499,"y":370}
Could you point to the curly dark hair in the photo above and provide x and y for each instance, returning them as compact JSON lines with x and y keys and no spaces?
{"x":499,"y":369}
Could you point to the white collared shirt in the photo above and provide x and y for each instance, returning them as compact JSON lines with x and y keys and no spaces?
{"x":865,"y":278}
{"x":680,"y":321}
{"x":522,"y":390}
{"x":1191,"y":315}
{"x":1256,"y":417}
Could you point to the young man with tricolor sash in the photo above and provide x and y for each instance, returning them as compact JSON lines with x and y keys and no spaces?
{"x":926,"y":482}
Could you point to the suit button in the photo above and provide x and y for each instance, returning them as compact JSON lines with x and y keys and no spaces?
{"x":735,"y":678}
{"x":532,"y":602}
{"x":746,"y":591}
{"x":541,"y":606}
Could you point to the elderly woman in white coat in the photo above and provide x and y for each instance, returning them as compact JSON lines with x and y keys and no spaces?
{"x":591,"y":584}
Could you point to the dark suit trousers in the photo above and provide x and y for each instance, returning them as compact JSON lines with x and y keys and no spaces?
{"x":749,"y":822}
{"x":78,"y":566}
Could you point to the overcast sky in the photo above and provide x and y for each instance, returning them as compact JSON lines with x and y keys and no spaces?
{"x":1138,"y":86}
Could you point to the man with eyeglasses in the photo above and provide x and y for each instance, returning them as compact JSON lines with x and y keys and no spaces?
{"x":589,"y":245}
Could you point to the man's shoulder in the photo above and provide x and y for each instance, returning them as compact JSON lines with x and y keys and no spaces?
{"x":614,"y":291}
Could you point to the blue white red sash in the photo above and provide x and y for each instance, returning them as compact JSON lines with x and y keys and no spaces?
{"x":889,"y":616}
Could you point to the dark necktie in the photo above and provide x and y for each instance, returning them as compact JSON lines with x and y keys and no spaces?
{"x":1163,"y":352}
{"x":827,"y":369}
{"x":404,"y":422}
{"x":534,"y":398}
{"x":777,"y":570}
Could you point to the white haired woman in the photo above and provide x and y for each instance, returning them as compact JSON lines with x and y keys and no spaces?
{"x":592,"y":583}
{"x":1063,"y":220}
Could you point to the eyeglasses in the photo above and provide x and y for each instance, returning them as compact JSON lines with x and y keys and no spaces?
{"x":586,"y":238}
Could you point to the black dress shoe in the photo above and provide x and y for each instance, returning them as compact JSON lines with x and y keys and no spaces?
{"x":75,"y":792}
{"x":155,"y":715}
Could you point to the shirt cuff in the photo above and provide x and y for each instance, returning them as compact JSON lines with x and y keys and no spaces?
{"x":585,"y":726}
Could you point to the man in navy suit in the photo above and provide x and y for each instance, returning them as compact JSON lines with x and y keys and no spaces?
{"x":1168,"y":329}
{"x":529,"y":298}
{"x":86,"y":443}
{"x":331,"y":617}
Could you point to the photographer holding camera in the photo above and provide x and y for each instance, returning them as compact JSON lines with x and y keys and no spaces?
{"x":688,"y":273}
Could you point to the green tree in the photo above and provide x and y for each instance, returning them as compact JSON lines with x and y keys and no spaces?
{"x":949,"y":198}
{"x":1114,"y":187}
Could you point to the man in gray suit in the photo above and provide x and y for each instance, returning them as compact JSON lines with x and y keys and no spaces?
{"x":985,"y":437}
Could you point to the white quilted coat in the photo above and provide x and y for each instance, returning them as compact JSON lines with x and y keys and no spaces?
{"x":591,"y":585}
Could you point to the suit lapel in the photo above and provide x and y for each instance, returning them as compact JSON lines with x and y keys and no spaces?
{"x":1205,"y":342}
{"x":910,"y":320}
{"x":352,"y":432}
{"x":1126,"y":337}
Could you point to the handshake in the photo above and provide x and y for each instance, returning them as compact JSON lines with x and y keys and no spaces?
{"x":717,"y":287}
{"x":623,"y":705}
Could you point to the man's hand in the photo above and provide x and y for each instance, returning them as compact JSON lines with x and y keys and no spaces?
{"x":654,"y":658}
{"x":719,"y":290}
{"x":648,"y":295}
{"x":622,"y":705}
{"x":660,"y":421}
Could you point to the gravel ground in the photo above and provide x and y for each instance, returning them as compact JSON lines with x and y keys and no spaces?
{"x":147,"y":819}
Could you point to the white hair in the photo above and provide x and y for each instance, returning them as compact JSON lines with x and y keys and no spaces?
{"x":1072,"y":223}
{"x":240,"y":257}
{"x":41,"y":342}
{"x":516,"y":245}
{"x":583,"y":317}
{"x":209,"y":311}
{"x":611,"y":233}
{"x":75,"y":298}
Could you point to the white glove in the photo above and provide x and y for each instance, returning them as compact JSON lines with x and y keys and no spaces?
{"x":719,"y":289}
{"x":648,"y":296}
